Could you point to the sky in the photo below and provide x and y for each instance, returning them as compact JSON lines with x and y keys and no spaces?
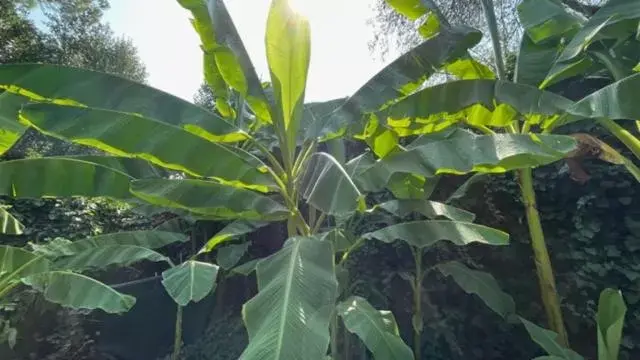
{"x":169,"y":47}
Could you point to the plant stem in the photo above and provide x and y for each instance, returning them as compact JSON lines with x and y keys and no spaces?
{"x":546,"y":280}
{"x":417,"y":304}
{"x":334,"y":336}
{"x":177,"y":340}
{"x":627,"y":138}
{"x":490,"y":16}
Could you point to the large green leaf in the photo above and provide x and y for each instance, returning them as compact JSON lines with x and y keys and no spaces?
{"x":226,"y":61}
{"x":534,"y":61}
{"x":615,"y":101}
{"x":79,"y":292}
{"x":150,"y":239}
{"x":134,"y":168}
{"x":289,"y":318}
{"x":326,"y":185}
{"x":399,"y":79}
{"x":166,"y":145}
{"x":546,"y":19}
{"x":548,"y":340}
{"x":10,"y":129}
{"x":229,"y":255}
{"x":104,"y":256}
{"x":100,"y":90}
{"x":231,"y":231}
{"x":288,"y":44}
{"x":613,"y":12}
{"x":190,"y":281}
{"x":610,"y":319}
{"x":9,"y":224}
{"x":377,"y":329}
{"x":482,"y":284}
{"x":209,"y":198}
{"x":467,"y":153}
{"x":425,"y":233}
{"x":478,"y":102}
{"x":61,"y":177}
{"x":430,"y":209}
{"x":423,"y":12}
{"x":16,"y":263}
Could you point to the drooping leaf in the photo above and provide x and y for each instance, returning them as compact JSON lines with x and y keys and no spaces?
{"x":315,"y":115}
{"x":288,"y":47}
{"x":104,"y":256}
{"x":229,"y":255}
{"x":61,"y":177}
{"x":467,"y":153}
{"x":190,"y":281}
{"x":163,"y":144}
{"x":16,"y":263}
{"x":610,"y":319}
{"x":289,"y":317}
{"x":479,"y":102}
{"x":10,"y":128}
{"x":425,"y":233}
{"x":548,"y":340}
{"x":430,"y":209}
{"x":483,"y":284}
{"x":399,"y":79}
{"x":231,"y":231}
{"x":79,"y":292}
{"x":226,"y":60}
{"x":150,"y":239}
{"x":8,"y":224}
{"x":209,"y":198}
{"x":546,"y":19}
{"x":326,"y":185}
{"x":379,"y":333}
{"x":246,"y":268}
{"x":134,"y":168}
{"x":615,"y":101}
{"x":462,"y":190}
{"x":104,"y":91}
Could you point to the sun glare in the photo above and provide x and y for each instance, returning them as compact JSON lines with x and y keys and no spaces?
{"x":305,"y":8}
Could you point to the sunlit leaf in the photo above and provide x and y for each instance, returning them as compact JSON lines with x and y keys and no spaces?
{"x":61,"y":177}
{"x":399,"y":79}
{"x":209,"y":198}
{"x":9,"y":224}
{"x":166,"y":145}
{"x":545,"y":19}
{"x":100,"y":90}
{"x":500,"y":153}
{"x":288,"y":47}
{"x":10,"y":128}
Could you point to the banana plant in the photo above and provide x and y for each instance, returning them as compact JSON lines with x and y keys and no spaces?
{"x":420,"y":235}
{"x":499,"y":108}
{"x":222,"y":170}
